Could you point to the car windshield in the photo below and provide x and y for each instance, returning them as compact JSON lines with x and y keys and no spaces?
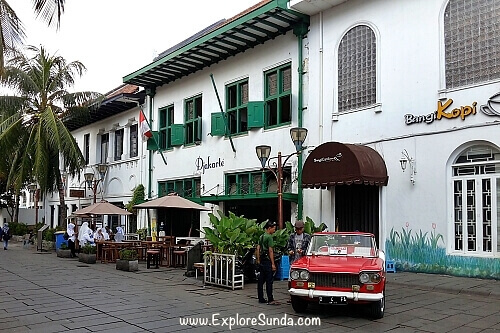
{"x":357,"y":245}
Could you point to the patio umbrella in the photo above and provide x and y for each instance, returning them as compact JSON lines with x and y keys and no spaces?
{"x":102,"y":208}
{"x":171,"y":201}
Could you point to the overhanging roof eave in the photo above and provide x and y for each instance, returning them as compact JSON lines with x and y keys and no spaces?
{"x":273,"y":10}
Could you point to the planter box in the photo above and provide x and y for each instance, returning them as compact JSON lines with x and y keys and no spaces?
{"x":127,"y":265}
{"x":47,"y":246}
{"x":63,"y":253}
{"x":87,"y":258}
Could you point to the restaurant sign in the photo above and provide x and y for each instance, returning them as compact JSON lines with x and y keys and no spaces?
{"x":76,"y":193}
{"x":201,"y":166}
{"x":445,"y":111}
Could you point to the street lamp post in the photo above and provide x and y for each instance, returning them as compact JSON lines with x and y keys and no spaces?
{"x":298,"y":135}
{"x":92,"y":183}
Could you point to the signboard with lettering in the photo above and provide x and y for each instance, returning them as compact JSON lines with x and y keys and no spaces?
{"x":76,"y":193}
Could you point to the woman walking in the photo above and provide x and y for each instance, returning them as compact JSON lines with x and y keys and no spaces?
{"x":5,"y":235}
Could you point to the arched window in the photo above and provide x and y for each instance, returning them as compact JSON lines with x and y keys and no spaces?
{"x":472,"y":41}
{"x":357,"y":79}
{"x":476,"y":200}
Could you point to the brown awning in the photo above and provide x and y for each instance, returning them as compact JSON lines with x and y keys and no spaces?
{"x":335,"y":163}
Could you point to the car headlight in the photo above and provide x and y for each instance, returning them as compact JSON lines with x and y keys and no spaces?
{"x":364,"y":277}
{"x":299,"y":275}
{"x":376,"y":278}
{"x":294,"y":275}
{"x":372,"y":277}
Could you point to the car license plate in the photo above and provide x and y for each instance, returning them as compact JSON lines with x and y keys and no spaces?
{"x":342,"y":300}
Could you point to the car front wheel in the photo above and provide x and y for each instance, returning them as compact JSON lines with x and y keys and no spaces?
{"x":298,"y":304}
{"x":376,"y":309}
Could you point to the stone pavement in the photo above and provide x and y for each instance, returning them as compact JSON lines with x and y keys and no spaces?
{"x":42,"y":293}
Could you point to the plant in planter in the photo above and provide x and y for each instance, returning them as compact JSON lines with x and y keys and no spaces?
{"x":63,"y":251}
{"x":87,"y":254}
{"x":127,"y":260}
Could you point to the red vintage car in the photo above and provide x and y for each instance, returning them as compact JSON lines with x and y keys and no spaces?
{"x":340,"y":268}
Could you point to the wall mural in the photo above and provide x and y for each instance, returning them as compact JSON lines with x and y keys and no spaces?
{"x":425,"y":252}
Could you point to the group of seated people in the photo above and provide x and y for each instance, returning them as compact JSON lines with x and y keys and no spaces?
{"x":88,"y":236}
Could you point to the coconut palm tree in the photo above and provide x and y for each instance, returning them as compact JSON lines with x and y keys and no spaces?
{"x":35,"y":136}
{"x":11,"y":29}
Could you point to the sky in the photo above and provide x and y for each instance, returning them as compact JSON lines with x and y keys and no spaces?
{"x":114,"y":38}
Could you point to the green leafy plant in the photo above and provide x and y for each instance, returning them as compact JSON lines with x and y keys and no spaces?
{"x":231,"y":234}
{"x":64,"y":246}
{"x":88,"y":249}
{"x":48,"y":235}
{"x":137,"y":197}
{"x":143,"y":232}
{"x":18,"y":228}
{"x":127,"y":254}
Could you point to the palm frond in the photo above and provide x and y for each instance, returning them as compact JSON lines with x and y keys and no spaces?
{"x":47,"y":9}
{"x":11,"y":31}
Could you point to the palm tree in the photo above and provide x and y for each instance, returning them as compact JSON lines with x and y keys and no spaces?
{"x":11,"y":29}
{"x":35,"y":136}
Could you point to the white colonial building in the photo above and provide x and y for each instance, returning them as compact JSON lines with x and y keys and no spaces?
{"x":400,"y":99}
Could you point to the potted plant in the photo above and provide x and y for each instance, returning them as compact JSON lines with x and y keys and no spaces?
{"x":63,"y":251}
{"x":127,"y":260}
{"x":87,"y":254}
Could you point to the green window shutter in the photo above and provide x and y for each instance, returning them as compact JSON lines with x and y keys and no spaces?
{"x":177,"y":134}
{"x":255,"y":114}
{"x":152,"y":143}
{"x":218,"y":124}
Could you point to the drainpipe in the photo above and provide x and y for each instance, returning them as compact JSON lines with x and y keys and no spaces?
{"x":150,"y":92}
{"x":300,"y":30}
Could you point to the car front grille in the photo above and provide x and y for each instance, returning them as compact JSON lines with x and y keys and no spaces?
{"x":334,"y":280}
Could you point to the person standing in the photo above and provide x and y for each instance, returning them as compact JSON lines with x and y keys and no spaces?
{"x":265,"y":260}
{"x":297,"y":245}
{"x":298,"y":242}
{"x":119,"y":236}
{"x":5,"y":235}
{"x":72,"y":238}
{"x":85,"y":235}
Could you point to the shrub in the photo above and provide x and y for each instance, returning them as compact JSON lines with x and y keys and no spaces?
{"x":128,"y":254}
{"x":64,"y":246}
{"x":88,"y":249}
{"x":142,"y":233}
{"x":48,"y":234}
{"x":18,"y":228}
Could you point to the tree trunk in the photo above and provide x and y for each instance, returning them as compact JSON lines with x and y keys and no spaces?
{"x":16,"y":207}
{"x":63,"y":210}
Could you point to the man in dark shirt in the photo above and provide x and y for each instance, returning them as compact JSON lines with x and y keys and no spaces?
{"x":265,"y":258}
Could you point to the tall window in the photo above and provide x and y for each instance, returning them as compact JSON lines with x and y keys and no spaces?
{"x":192,"y":120}
{"x":134,"y":144}
{"x":86,"y":147}
{"x":118,"y":144}
{"x":357,"y":79}
{"x":165,"y":129}
{"x":104,"y":147}
{"x":236,"y":106}
{"x":472,"y":41}
{"x":476,"y":201}
{"x":278,"y":96}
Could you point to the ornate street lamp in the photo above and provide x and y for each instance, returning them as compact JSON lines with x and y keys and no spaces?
{"x":298,"y":135}
{"x":92,"y":183}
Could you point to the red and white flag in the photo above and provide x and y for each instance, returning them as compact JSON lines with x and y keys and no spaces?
{"x":145,"y":129}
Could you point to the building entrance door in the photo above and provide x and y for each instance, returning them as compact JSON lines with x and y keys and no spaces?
{"x":357,"y":208}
